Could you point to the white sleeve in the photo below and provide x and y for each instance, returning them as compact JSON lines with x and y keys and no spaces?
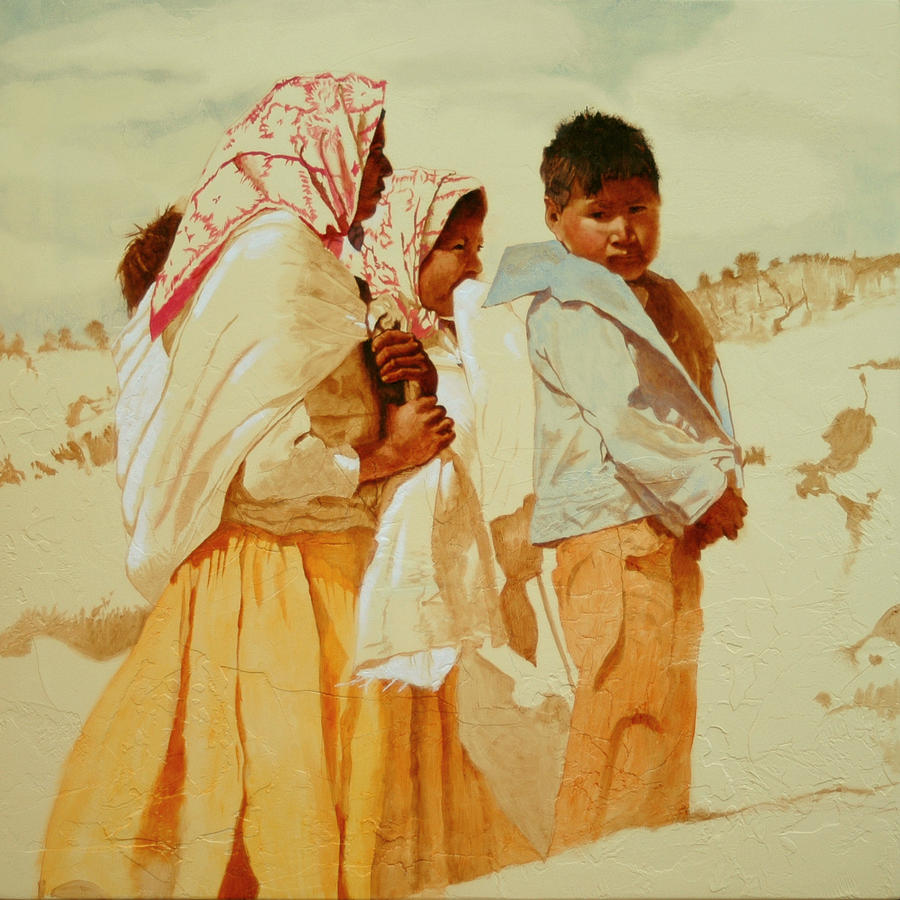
{"x":587,"y":356}
{"x":723,"y":407}
{"x":291,"y":463}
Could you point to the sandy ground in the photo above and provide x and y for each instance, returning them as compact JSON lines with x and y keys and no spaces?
{"x":830,"y":845}
{"x":797,"y":753}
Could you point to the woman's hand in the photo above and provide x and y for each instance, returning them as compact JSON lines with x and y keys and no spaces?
{"x":416,"y":432}
{"x":401,"y":357}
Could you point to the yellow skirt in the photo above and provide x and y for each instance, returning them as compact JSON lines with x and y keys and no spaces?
{"x":440,"y":823}
{"x":230,"y":756}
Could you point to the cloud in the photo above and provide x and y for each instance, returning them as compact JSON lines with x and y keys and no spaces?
{"x":63,"y":285}
{"x":778,"y":125}
{"x":768,"y":118}
{"x":836,"y":59}
{"x":114,"y":114}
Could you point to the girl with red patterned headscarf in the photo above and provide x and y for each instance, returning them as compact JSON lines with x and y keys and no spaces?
{"x":230,"y":756}
{"x":429,"y":591}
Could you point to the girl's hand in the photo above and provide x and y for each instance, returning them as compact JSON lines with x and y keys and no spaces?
{"x":416,"y":432}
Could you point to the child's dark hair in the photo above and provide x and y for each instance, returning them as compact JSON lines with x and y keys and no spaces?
{"x":591,"y":148}
{"x":145,"y":255}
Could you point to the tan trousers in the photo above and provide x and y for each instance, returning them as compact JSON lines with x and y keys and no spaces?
{"x":629,"y":602}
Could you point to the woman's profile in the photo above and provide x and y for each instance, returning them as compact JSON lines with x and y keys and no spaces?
{"x":227,"y":755}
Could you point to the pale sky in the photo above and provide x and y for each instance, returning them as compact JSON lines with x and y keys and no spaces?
{"x":775,"y":124}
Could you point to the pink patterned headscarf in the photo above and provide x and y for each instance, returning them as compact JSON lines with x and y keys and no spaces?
{"x":411,"y":214}
{"x":303,"y":147}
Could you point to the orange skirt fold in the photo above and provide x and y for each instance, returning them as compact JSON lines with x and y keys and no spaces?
{"x":233,"y":756}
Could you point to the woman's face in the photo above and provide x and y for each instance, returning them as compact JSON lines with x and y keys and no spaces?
{"x":452,"y":260}
{"x":377,"y":168}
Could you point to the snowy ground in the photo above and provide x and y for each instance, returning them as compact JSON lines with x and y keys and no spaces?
{"x":797,"y":753}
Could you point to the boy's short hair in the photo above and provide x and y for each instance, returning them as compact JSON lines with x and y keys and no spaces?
{"x":591,"y":148}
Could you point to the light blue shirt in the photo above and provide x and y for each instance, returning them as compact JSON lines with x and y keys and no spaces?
{"x":621,"y":430}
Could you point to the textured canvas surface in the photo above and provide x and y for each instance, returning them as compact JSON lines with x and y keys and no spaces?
{"x":775,"y":127}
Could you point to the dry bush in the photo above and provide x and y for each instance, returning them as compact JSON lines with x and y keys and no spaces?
{"x":70,"y":452}
{"x":100,"y":634}
{"x":97,"y":406}
{"x":42,"y":470}
{"x":9,"y":474}
{"x":755,"y":456}
{"x":101,"y":447}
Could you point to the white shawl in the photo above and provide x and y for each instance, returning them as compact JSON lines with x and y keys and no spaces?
{"x":274,"y":316}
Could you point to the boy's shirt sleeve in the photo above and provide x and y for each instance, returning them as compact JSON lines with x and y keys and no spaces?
{"x":723,"y":407}
{"x":582,"y":353}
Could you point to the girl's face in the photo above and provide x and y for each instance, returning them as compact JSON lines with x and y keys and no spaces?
{"x":452,"y":260}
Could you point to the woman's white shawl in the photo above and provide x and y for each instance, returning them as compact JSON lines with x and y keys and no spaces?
{"x":274,"y":316}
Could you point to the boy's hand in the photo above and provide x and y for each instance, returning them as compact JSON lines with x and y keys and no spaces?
{"x":401,"y":357}
{"x":416,"y":432}
{"x":724,"y":518}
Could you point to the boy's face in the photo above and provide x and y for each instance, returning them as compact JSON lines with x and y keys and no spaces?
{"x":617,"y":227}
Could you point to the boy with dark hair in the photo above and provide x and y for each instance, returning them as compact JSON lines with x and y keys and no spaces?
{"x":636,"y":470}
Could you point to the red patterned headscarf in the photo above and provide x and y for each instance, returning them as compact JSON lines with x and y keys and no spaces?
{"x":303,"y":147}
{"x":411,"y":214}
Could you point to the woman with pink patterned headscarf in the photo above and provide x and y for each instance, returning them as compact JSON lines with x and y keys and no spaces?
{"x":230,"y":756}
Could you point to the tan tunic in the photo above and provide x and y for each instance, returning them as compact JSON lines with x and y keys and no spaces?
{"x":290,"y":481}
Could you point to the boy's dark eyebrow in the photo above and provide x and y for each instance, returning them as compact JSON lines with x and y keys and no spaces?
{"x":595,"y":201}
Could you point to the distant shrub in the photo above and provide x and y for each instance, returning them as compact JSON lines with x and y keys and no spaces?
{"x":755,"y":456}
{"x":51,"y":342}
{"x":9,"y":474}
{"x":14,"y":348}
{"x":67,"y":342}
{"x":97,"y":333}
{"x":747,"y":265}
{"x":750,"y":303}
